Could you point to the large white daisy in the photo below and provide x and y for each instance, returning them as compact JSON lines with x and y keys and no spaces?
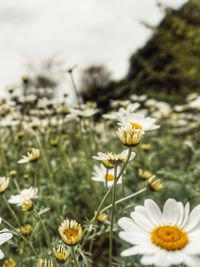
{"x":163,"y":238}
{"x":24,"y":195}
{"x":137,"y":121}
{"x":5,"y":235}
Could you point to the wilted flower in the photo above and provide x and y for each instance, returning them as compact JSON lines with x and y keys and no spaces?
{"x":4,"y":182}
{"x":102,"y":174}
{"x":114,"y":158}
{"x":61,"y":254}
{"x":24,"y":195}
{"x":163,"y":238}
{"x":31,"y":156}
{"x":71,"y":232}
{"x":5,"y":235}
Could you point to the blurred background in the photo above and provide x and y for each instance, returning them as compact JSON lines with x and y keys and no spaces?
{"x":119,"y":47}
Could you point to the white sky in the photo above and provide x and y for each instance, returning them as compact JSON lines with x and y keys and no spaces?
{"x":82,"y":32}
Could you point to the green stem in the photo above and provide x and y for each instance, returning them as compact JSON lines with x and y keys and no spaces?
{"x":123,"y":199}
{"x":74,"y":257}
{"x":21,"y":236}
{"x":112,"y":217}
{"x":11,"y":211}
{"x":75,"y":89}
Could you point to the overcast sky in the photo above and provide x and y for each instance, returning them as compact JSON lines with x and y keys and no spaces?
{"x":82,"y":32}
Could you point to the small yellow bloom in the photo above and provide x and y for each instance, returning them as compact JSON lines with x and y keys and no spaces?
{"x":154,"y":184}
{"x":71,"y":232}
{"x":26,"y":229}
{"x":44,"y":263}
{"x":61,"y":254}
{"x":101,"y":217}
{"x":9,"y":263}
{"x":27,"y":205}
{"x":4,"y":182}
{"x":13,"y":173}
{"x":32,"y":156}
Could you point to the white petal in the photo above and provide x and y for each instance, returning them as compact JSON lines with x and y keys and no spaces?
{"x":129,"y":252}
{"x":186,"y":214}
{"x":147,"y":259}
{"x":153,"y":211}
{"x":170,"y":212}
{"x":160,"y":259}
{"x":191,"y":261}
{"x":5,"y":235}
{"x":192,"y":248}
{"x":128,"y":224}
{"x":133,"y":238}
{"x":193,"y":219}
{"x":1,"y":254}
{"x":181,"y":213}
{"x":142,"y":221}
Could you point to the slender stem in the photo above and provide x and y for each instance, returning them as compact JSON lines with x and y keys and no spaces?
{"x":46,"y":234}
{"x":75,"y":89}
{"x":74,"y":257}
{"x":112,"y":217}
{"x":11,"y":211}
{"x":123,"y":199}
{"x":21,"y":236}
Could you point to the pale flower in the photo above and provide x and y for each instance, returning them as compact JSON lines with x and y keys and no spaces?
{"x":102,"y":174}
{"x":138,"y":121}
{"x":31,"y":156}
{"x":163,"y":238}
{"x":5,"y":235}
{"x":4,"y":182}
{"x":24,"y":195}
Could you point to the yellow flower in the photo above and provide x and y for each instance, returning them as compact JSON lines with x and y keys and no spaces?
{"x":129,"y":136}
{"x":44,"y":263}
{"x":13,"y":173}
{"x":61,"y":254}
{"x":9,"y":263}
{"x":101,"y":217}
{"x":26,"y":229}
{"x":4,"y":182}
{"x":154,"y":184}
{"x":31,"y":156}
{"x":71,"y":232}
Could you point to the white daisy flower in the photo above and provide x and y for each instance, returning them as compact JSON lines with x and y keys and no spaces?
{"x":32,"y":156}
{"x":24,"y":195}
{"x":163,"y":238}
{"x":137,"y":121}
{"x":5,"y":235}
{"x":114,"y":158}
{"x":100,"y":174}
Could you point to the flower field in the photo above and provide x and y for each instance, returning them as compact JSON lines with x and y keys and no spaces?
{"x":80,"y":187}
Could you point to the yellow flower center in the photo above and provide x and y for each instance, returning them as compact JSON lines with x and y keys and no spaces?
{"x":170,"y":238}
{"x":71,"y":233}
{"x":109,"y":177}
{"x":136,"y":125}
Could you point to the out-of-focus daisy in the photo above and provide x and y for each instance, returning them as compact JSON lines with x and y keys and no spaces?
{"x":26,"y":229}
{"x":9,"y":263}
{"x":154,"y":184}
{"x":5,"y":235}
{"x":32,"y":156}
{"x":71,"y":232}
{"x":137,"y":121}
{"x":24,"y":195}
{"x":163,"y":238}
{"x":107,"y":176}
{"x":45,"y":263}
{"x":114,"y":158}
{"x":86,"y":112}
{"x":4,"y":182}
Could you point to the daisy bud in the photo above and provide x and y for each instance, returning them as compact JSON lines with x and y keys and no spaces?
{"x":129,"y":136}
{"x":26,"y":230}
{"x":44,"y":263}
{"x":4,"y":182}
{"x":101,"y":217}
{"x":144,"y":175}
{"x":61,"y":254}
{"x":9,"y":263}
{"x":13,"y":173}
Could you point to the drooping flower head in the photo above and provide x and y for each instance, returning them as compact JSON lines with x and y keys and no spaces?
{"x":164,"y":238}
{"x":24,"y":195}
{"x":31,"y":156}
